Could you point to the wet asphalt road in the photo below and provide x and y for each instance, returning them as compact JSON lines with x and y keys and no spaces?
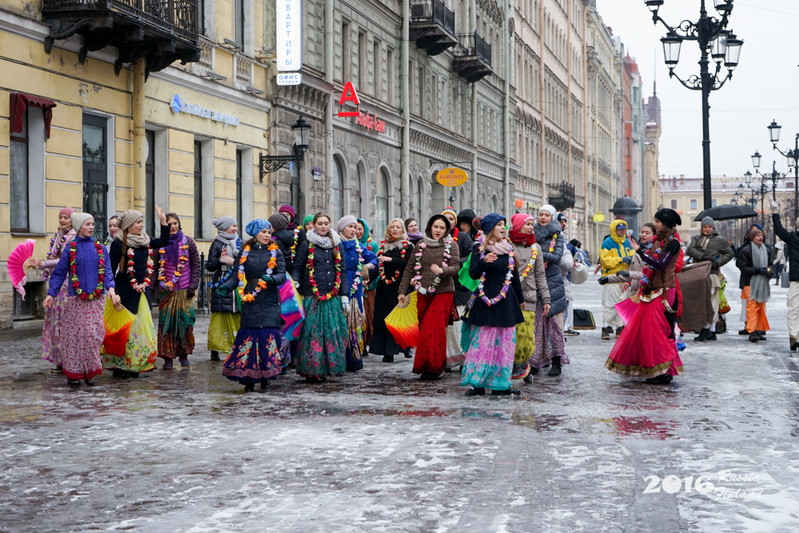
{"x":186,"y":450}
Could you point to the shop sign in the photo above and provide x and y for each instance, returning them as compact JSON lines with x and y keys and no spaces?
{"x":598,"y":217}
{"x":371,"y":122}
{"x":180,"y":105}
{"x":348,"y":94}
{"x":451,"y":177}
{"x":289,"y":35}
{"x":289,"y":78}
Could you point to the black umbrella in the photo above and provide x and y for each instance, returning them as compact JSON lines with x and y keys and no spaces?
{"x":727,"y":212}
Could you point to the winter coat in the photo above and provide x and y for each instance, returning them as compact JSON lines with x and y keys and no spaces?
{"x":351,"y":260}
{"x":285,"y":240}
{"x":128,"y":296}
{"x":87,"y":266}
{"x":373,"y":247}
{"x":717,"y":249}
{"x":746,"y":265}
{"x":791,"y":240}
{"x":324,"y":270}
{"x":264,"y":311}
{"x":430,"y":256}
{"x":386,"y":295}
{"x":220,"y":304}
{"x":557,"y":292}
{"x":534,"y":285}
{"x":507,"y":312}
{"x":613,"y":251}
{"x":566,"y":266}
{"x":190,"y":276}
{"x":465,"y":242}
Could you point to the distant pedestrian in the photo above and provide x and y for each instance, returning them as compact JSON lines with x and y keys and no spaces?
{"x":791,"y":239}
{"x":225,"y":311}
{"x":615,"y":256}
{"x":755,"y":262}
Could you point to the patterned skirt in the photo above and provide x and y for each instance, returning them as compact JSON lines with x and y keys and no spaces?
{"x":369,"y":315}
{"x":175,"y":325}
{"x":356,"y":321}
{"x":52,"y":319}
{"x":490,"y":358}
{"x":324,"y":339}
{"x":549,"y":341}
{"x":80,"y":335}
{"x":525,"y":345}
{"x":255,"y":357}
{"x":222,"y":331}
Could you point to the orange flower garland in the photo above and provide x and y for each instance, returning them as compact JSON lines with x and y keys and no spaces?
{"x":184,"y":258}
{"x":261,"y":285}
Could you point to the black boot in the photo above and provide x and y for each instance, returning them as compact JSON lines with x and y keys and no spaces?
{"x":388,"y":358}
{"x":479,"y":391}
{"x":663,"y":379}
{"x":506,"y":392}
{"x":249,"y":387}
{"x":215,"y":355}
{"x":264,"y":384}
{"x":555,"y":370}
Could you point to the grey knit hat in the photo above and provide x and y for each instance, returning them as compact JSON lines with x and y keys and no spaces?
{"x":128,"y":218}
{"x":345,"y":221}
{"x":78,"y":219}
{"x":223,"y":223}
{"x":707,"y":221}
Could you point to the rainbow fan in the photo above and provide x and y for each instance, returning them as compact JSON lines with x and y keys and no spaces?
{"x":117,"y":328}
{"x":291,"y":309}
{"x":403,"y":323}
{"x":16,"y":261}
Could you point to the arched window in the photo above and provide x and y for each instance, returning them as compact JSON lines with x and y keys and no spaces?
{"x":494,"y":207}
{"x":419,"y":200}
{"x":381,"y":202}
{"x":337,"y":189}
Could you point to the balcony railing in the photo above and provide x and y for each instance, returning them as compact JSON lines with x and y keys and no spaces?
{"x":432,"y":25}
{"x":473,"y":57}
{"x":561,"y":196}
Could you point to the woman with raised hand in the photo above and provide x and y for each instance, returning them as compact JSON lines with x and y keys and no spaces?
{"x":260,"y":270}
{"x":82,"y":330}
{"x":320,"y":272}
{"x":431,"y":270}
{"x":225,"y":316}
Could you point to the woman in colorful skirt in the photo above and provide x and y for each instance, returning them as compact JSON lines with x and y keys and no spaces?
{"x":550,"y":347}
{"x":321,"y":273}
{"x":493,"y":312}
{"x":178,"y":279}
{"x":756,"y":262}
{"x":364,"y":236}
{"x":530,"y":264}
{"x":131,"y":257}
{"x":256,"y":356}
{"x":646,"y":346}
{"x":431,"y":270}
{"x":225,"y":316}
{"x":392,"y":255}
{"x":53,"y":315}
{"x":82,"y":330}
{"x":359,"y":261}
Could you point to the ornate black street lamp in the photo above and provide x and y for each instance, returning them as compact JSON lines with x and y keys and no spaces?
{"x":271,"y":163}
{"x":715,"y":41}
{"x":792,"y":156}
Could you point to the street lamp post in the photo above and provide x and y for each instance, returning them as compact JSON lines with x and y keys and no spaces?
{"x":715,"y":41}
{"x":774,"y":176}
{"x":792,"y":156}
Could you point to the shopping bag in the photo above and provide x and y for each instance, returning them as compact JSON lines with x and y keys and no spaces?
{"x":117,"y":328}
{"x":724,"y":305}
{"x":142,"y":337}
{"x":464,"y":278}
{"x":579,"y":274}
{"x":583,"y":319}
{"x":403,"y":323}
{"x":291,"y":309}
{"x":785,"y":280}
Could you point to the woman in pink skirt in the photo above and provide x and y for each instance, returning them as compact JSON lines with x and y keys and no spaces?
{"x":81,"y":330}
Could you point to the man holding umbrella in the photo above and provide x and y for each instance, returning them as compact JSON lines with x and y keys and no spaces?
{"x":712,"y":247}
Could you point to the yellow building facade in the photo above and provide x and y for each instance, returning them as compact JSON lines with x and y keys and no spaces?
{"x":188,"y":138}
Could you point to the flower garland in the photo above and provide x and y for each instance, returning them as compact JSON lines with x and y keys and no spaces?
{"x":182,"y":260}
{"x":73,"y":270}
{"x":416,"y":281}
{"x":505,"y":286}
{"x":294,"y":244}
{"x":261,"y":285}
{"x":552,"y":245}
{"x":529,"y":266}
{"x":55,"y":253}
{"x":382,"y":269}
{"x":132,"y":274}
{"x":655,"y":252}
{"x":356,"y":282}
{"x":214,"y":284}
{"x":312,"y":278}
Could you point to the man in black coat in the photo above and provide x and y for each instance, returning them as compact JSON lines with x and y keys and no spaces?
{"x":791,"y":240}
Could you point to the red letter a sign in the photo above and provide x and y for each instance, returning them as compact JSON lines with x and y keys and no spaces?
{"x":348,"y":94}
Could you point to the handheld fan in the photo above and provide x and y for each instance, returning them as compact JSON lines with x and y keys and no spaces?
{"x":117,"y":329}
{"x":403,"y":323}
{"x":17,"y":259}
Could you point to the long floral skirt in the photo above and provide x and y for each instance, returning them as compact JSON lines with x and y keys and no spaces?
{"x":80,"y":336}
{"x":141,"y":349}
{"x":175,"y":325}
{"x":355,"y":340}
{"x":369,"y":315}
{"x":489,"y":359}
{"x":525,"y":345}
{"x":52,"y":319}
{"x":222,"y":331}
{"x":324,"y":339}
{"x":434,"y":312}
{"x":255,"y":356}
{"x":549,"y":341}
{"x":646,"y":346}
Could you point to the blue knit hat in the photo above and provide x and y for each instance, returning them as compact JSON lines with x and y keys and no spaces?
{"x":489,"y":221}
{"x":257,"y":226}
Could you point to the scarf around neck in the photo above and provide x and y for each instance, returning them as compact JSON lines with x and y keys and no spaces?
{"x":172,"y":248}
{"x":502,"y":247}
{"x":323,"y":242}
{"x":435,"y":243}
{"x":759,"y":289}
{"x":393,"y":244}
{"x":141,"y":240}
{"x":229,"y":240}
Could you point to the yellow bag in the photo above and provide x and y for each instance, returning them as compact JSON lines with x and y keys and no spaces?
{"x":142,"y":333}
{"x":117,"y":328}
{"x":403,"y":323}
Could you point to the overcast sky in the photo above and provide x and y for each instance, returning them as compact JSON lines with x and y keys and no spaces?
{"x":765,"y":85}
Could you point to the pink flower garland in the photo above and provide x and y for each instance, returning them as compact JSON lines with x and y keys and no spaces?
{"x":416,"y":281}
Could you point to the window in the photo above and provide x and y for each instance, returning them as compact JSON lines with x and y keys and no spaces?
{"x":419,"y":199}
{"x":238,"y":22}
{"x":198,"y":189}
{"x":363,"y":60}
{"x":239,"y":196}
{"x":674,"y":204}
{"x":338,"y":189}
{"x":377,"y":90}
{"x":149,"y":177}
{"x":693,"y":204}
{"x":20,"y":221}
{"x":346,"y":52}
{"x":713,"y":203}
{"x":95,"y":173}
{"x":381,"y":201}
{"x":390,"y":77}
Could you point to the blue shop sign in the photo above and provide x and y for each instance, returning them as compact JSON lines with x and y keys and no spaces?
{"x":181,"y":105}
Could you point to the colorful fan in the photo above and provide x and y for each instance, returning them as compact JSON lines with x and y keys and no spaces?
{"x":403,"y":323}
{"x":117,"y":328}
{"x":291,"y":309}
{"x":16,"y":260}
